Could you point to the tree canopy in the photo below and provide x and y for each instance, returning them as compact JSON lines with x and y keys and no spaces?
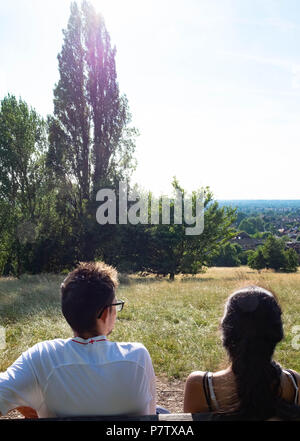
{"x":273,"y":255}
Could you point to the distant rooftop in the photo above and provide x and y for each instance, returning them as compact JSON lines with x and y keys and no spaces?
{"x":261,"y":203}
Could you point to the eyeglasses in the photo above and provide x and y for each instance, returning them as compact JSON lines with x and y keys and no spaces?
{"x":119,"y":306}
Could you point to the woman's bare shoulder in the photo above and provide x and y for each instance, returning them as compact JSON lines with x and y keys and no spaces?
{"x":297,"y":375}
{"x":194,"y":399}
{"x":195,"y":377}
{"x":287,"y":383}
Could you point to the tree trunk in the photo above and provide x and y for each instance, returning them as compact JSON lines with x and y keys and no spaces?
{"x":172,"y":276}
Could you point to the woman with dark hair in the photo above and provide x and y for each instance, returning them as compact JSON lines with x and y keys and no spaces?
{"x":253,"y":386}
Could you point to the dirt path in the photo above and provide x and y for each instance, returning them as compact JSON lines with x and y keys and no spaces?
{"x":169,"y":395}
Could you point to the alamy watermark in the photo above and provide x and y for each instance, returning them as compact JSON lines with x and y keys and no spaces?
{"x":296,"y":339}
{"x":2,"y":338}
{"x":188,"y":209}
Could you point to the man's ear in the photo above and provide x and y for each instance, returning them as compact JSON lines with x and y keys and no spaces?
{"x":104,"y":315}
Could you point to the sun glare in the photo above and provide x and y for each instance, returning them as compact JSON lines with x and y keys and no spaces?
{"x":117,"y":11}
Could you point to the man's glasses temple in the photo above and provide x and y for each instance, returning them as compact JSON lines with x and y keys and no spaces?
{"x":119,"y":306}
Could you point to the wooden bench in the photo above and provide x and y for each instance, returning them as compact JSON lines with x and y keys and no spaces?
{"x":159,"y":417}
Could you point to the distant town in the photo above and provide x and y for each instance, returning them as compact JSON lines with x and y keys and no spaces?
{"x":257,"y":219}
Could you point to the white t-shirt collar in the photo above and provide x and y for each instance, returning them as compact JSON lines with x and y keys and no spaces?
{"x":90,"y":340}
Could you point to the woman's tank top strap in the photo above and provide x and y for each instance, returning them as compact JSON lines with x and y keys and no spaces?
{"x":294,"y":381}
{"x":209,"y":392}
{"x":206,"y":391}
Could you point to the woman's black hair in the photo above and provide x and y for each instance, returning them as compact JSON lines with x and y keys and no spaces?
{"x":251,"y":328}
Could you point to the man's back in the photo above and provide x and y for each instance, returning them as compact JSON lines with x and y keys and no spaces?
{"x":81,"y":377}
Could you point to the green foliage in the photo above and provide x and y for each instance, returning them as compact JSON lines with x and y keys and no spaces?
{"x":256,"y":259}
{"x":22,"y":154}
{"x":240,"y":216}
{"x":273,"y":251}
{"x":292,"y":261}
{"x":23,"y":183}
{"x":244,"y":256}
{"x":252,"y":225}
{"x":167,"y":249}
{"x":273,"y":255}
{"x":229,"y":255}
{"x":261,"y":235}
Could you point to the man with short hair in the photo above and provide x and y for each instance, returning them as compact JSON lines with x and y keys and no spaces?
{"x":86,"y":374}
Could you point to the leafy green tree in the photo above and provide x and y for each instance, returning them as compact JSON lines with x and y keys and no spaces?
{"x":273,"y":251}
{"x":252,"y":225}
{"x":261,"y":235}
{"x":228,"y":255}
{"x":165,"y":249}
{"x":244,"y":256}
{"x":273,"y":255}
{"x":240,"y":215}
{"x":23,"y":183}
{"x":292,"y":261}
{"x":256,"y":259}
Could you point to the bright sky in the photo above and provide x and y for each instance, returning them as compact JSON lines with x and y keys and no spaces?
{"x":213,"y":86}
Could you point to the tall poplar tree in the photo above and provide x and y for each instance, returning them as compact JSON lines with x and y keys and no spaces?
{"x":91,"y":141}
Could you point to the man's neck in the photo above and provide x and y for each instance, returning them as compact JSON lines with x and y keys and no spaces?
{"x":87,"y":335}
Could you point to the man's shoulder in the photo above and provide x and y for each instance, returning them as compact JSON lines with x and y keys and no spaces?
{"x":130,"y":344}
{"x":132,"y":349}
{"x":46,"y":346}
{"x":56,"y":342}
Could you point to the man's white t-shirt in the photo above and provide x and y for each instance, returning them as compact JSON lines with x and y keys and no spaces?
{"x":73,"y":377}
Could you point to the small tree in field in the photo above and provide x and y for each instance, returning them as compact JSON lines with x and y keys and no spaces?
{"x":292,"y":261}
{"x":274,"y":256}
{"x":256,"y":259}
{"x":165,"y":249}
{"x":273,"y":251}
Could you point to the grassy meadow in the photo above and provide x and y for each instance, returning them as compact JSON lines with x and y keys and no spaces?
{"x":177,"y":321}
